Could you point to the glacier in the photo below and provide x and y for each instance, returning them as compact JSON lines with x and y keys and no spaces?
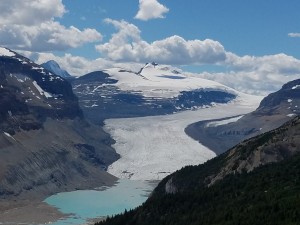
{"x":155,"y":146}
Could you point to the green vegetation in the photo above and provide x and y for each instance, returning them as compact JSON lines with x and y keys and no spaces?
{"x":230,"y":189}
{"x":268,"y":195}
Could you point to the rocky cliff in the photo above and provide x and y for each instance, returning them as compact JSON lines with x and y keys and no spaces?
{"x":46,"y":146}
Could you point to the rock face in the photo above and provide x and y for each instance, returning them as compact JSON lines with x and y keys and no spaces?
{"x":30,"y":94}
{"x":46,"y":146}
{"x":274,"y":110}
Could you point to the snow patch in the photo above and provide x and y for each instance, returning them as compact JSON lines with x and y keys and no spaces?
{"x":36,"y":68}
{"x":289,"y":100}
{"x":295,"y":87}
{"x":291,"y":115}
{"x":6,"y":52}
{"x":223,"y":122}
{"x":8,"y":135}
{"x":42,"y":92}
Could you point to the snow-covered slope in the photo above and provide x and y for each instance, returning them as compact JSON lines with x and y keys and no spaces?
{"x":154,"y":80}
{"x":152,"y":90}
{"x":54,"y":67}
{"x":153,"y":147}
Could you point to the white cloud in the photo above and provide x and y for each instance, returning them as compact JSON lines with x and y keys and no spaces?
{"x":31,"y":25}
{"x":294,"y":35}
{"x":150,"y":9}
{"x":127,"y":46}
{"x":127,"y":49}
{"x":77,"y":65}
{"x":248,"y":74}
{"x":257,"y":75}
{"x":30,"y":12}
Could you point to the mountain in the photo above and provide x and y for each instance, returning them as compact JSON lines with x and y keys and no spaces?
{"x":274,"y":110}
{"x":145,"y":144}
{"x":46,"y":144}
{"x":54,"y":67}
{"x":152,"y":90}
{"x":256,"y":182}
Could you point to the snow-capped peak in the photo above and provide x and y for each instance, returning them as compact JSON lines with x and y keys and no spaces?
{"x":158,"y":67}
{"x":151,"y":65}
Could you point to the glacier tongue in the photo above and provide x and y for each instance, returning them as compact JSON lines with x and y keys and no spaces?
{"x":153,"y":147}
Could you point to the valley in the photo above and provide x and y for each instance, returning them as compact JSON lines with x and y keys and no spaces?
{"x":149,"y":112}
{"x":91,"y":132}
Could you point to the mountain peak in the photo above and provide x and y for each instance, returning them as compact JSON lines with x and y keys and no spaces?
{"x":53,"y":62}
{"x":55,"y":68}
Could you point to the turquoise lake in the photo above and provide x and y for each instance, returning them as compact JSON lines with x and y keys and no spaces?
{"x":90,"y":204}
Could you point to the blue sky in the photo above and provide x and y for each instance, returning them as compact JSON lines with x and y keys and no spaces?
{"x":253,"y":27}
{"x":239,"y":43}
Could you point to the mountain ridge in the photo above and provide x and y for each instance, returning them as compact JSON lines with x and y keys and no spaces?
{"x":274,"y":110}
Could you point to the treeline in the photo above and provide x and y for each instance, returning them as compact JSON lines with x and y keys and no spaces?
{"x":270,"y":195}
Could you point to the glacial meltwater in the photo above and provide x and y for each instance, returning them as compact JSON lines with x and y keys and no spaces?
{"x":82,"y":206}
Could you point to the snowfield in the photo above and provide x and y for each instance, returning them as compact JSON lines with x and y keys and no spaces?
{"x":153,"y":147}
{"x":159,"y":81}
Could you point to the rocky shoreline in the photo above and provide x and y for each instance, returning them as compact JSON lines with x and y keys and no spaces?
{"x":28,"y":212}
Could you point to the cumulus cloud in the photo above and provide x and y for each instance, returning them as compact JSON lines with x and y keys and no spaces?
{"x":294,"y":35}
{"x":30,"y":12}
{"x":268,"y":64}
{"x":150,"y":9}
{"x":257,"y":75}
{"x":126,"y":45}
{"x":77,"y":65}
{"x":249,"y":74}
{"x":31,"y":25}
